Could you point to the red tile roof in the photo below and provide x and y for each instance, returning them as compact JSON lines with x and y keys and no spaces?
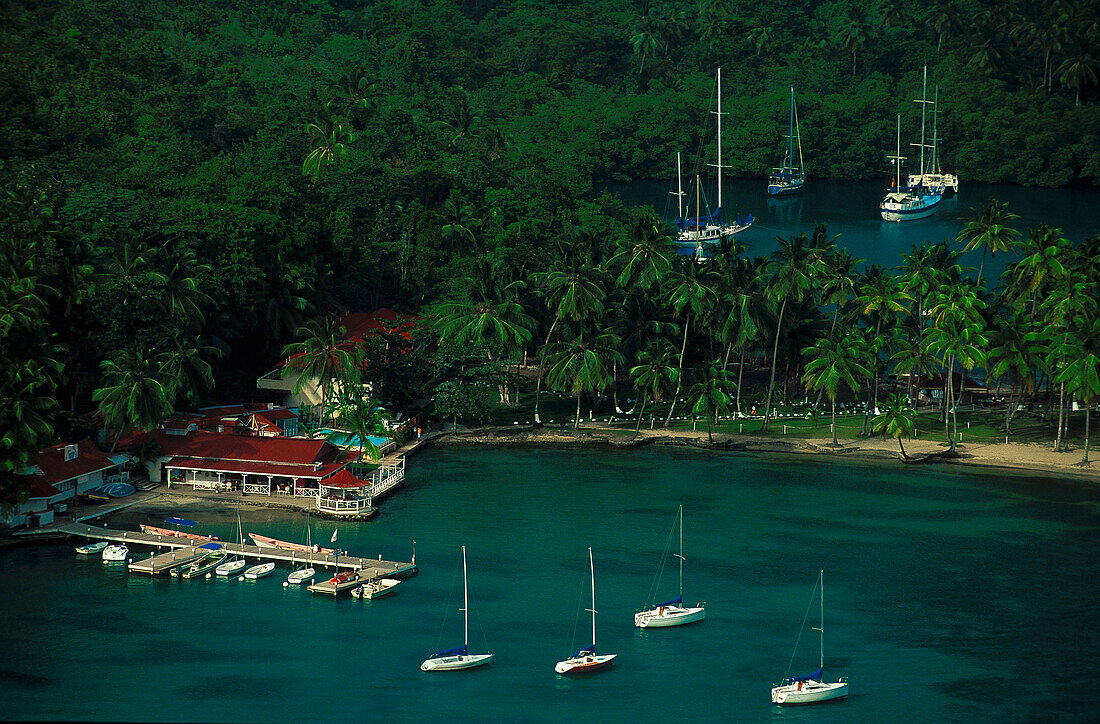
{"x":279,"y":414}
{"x":289,"y":470}
{"x":360,"y":325}
{"x":344,"y":479}
{"x":55,"y":470}
{"x":39,"y":487}
{"x":214,"y":446}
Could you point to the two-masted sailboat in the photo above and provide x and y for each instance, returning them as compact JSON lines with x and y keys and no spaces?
{"x":710,"y":228}
{"x":905,"y":203}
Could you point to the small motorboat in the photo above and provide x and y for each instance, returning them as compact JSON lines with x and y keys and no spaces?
{"x":118,"y":490}
{"x":375,"y":588}
{"x":264,"y":569}
{"x":230,"y":567}
{"x":115,"y":553}
{"x":203,"y":565}
{"x":300,"y":576}
{"x":92,"y":548}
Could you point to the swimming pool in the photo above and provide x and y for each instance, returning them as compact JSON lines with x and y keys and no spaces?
{"x":347,"y":439}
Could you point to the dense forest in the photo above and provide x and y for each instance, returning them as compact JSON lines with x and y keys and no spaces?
{"x":185,"y":185}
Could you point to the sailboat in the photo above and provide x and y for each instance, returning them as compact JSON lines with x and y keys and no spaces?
{"x":586,"y":659}
{"x":673,"y":612}
{"x":788,"y":178}
{"x":233,"y":566}
{"x":810,"y":688}
{"x":458,"y":658}
{"x":910,"y":202}
{"x":708,"y":229}
{"x":306,"y":572}
{"x":934,"y":178}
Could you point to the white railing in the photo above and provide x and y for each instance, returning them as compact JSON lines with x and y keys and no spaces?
{"x":258,"y":489}
{"x":305,"y":493}
{"x":205,"y":484}
{"x":121,"y":477}
{"x":343,"y":506}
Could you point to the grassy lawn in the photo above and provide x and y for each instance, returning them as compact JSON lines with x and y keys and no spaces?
{"x":978,"y":426}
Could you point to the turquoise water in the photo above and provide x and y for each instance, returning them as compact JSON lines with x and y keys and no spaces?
{"x":950,"y":595}
{"x":851,"y":210}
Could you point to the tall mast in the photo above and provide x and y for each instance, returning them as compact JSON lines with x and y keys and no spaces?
{"x":592,"y":574}
{"x":821,"y":580}
{"x":790,"y":137}
{"x":465,"y":603}
{"x":681,"y":556}
{"x":719,"y":142}
{"x":898,"y":158}
{"x":697,"y":194}
{"x":935,"y":132}
{"x":679,"y":189}
{"x":924,"y":102}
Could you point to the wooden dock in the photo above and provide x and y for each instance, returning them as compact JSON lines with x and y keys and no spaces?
{"x":185,"y":551}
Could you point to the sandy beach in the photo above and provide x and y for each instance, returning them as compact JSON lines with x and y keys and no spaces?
{"x":1014,"y":456}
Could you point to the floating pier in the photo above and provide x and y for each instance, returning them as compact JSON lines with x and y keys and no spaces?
{"x":186,"y":551}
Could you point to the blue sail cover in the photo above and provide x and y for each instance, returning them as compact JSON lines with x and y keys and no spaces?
{"x":589,"y":651}
{"x":699,"y":221}
{"x":211,"y":546}
{"x":674,"y":602}
{"x":456,"y":651}
{"x":815,"y":675}
{"x":181,"y":521}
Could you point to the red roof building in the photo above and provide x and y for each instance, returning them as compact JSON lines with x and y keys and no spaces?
{"x":59,"y":473}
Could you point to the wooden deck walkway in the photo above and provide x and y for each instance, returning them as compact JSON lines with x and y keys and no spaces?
{"x":185,"y":551}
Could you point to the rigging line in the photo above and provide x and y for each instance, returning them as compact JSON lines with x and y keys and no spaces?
{"x":480,"y":625}
{"x":446,"y":610}
{"x":579,"y":607}
{"x":661,"y":568}
{"x":801,"y":628}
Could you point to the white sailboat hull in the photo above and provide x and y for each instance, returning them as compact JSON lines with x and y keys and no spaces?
{"x":454,"y":663}
{"x":375,"y":588}
{"x":584,"y":664}
{"x":665,"y":616}
{"x":264,"y":569}
{"x":810,"y":692}
{"x":301,"y":576}
{"x":230,"y":567}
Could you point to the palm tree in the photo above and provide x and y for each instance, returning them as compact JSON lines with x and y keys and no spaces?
{"x":987,"y":58}
{"x":570,"y":294}
{"x":944,"y":20}
{"x":135,"y":391}
{"x":896,"y":420}
{"x":328,"y":141}
{"x":185,"y":367}
{"x":760,"y":35}
{"x":323,"y":356}
{"x":833,"y":362}
{"x":854,"y":32}
{"x":957,"y":336}
{"x":1081,"y":372}
{"x":989,"y":229}
{"x":912,"y":358}
{"x":583,"y":364}
{"x":654,"y":375}
{"x":1067,"y":311}
{"x":362,"y":416}
{"x":285,"y":305}
{"x":1041,"y":264}
{"x":710,"y":395}
{"x":645,"y":256}
{"x":692,"y":294}
{"x":182,"y":298}
{"x":646,"y":39}
{"x":794,"y":271}
{"x":744,"y":306}
{"x":881,"y":297}
{"x":458,"y":224}
{"x":1078,"y":71}
{"x":1013,"y":351}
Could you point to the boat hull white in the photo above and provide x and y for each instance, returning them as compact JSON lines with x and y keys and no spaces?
{"x":115,"y":554}
{"x":665,"y":616}
{"x":376,"y":589}
{"x":264,"y":569}
{"x":92,"y":548}
{"x":584,"y":664}
{"x":230,"y":568}
{"x":810,"y":692}
{"x":455,"y":663}
{"x":198,"y":568}
{"x":302,"y":576}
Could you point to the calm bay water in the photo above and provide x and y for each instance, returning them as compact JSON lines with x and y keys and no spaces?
{"x":850,"y":209}
{"x":950,"y":596}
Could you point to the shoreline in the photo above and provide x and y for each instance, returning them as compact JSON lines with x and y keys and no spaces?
{"x":1016,"y":457}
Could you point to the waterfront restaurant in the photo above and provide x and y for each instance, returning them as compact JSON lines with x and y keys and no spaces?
{"x":275,"y":466}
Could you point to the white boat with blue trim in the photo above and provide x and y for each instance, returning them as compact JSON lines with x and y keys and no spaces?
{"x":672,"y":612}
{"x":811,"y":688}
{"x":587,"y":659}
{"x":459,"y":657}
